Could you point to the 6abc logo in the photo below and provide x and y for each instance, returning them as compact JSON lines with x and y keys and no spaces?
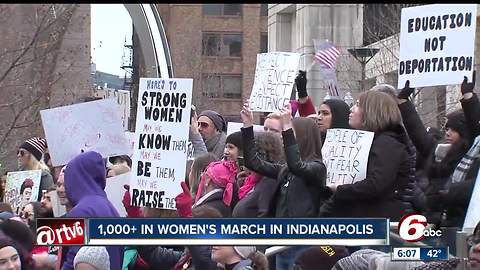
{"x":413,"y":227}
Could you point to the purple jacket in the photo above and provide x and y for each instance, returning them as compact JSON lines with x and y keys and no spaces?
{"x":85,"y":180}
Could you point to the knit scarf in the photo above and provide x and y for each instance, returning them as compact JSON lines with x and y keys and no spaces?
{"x":462,"y":168}
{"x":249,"y":184}
{"x":216,"y":140}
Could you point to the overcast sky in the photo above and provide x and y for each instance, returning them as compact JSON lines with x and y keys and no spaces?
{"x":110,"y":25}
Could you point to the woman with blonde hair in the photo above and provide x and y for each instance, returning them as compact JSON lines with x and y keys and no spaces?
{"x":30,"y":158}
{"x":388,"y":168}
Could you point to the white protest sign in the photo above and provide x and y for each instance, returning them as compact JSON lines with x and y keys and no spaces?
{"x":21,"y":188}
{"x":473,"y":214}
{"x":115,"y":191}
{"x":345,"y":154}
{"x":130,"y":136}
{"x":161,"y":138}
{"x":234,"y":127}
{"x":274,"y":78}
{"x":437,"y":44}
{"x":122,"y":97}
{"x":90,"y":126}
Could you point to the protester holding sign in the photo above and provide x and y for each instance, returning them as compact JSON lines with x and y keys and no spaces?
{"x":30,"y":158}
{"x":388,"y":163}
{"x":440,"y":166}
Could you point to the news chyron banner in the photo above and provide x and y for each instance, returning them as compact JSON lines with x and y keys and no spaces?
{"x":231,"y":231}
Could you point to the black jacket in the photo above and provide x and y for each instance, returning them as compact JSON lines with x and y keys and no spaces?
{"x":471,"y":109}
{"x":161,"y":258}
{"x":257,"y":202}
{"x":216,"y":201}
{"x":303,"y":181}
{"x":388,"y":173}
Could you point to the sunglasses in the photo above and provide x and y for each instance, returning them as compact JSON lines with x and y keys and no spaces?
{"x":203,"y":124}
{"x":21,"y":152}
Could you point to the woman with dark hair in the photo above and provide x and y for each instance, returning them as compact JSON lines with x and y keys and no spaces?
{"x":388,"y":169}
{"x":333,"y":113}
{"x":300,"y":186}
{"x":256,"y":192}
{"x":13,"y":256}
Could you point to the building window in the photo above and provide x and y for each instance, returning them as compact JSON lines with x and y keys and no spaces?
{"x":263,"y":42}
{"x":222,"y":86}
{"x":264,"y":10}
{"x":216,"y":44}
{"x":222,"y":9}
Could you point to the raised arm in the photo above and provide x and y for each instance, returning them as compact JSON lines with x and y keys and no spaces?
{"x":250,"y":152}
{"x":313,"y":172}
{"x":471,"y":106}
{"x":305,"y":105}
{"x":424,"y":143}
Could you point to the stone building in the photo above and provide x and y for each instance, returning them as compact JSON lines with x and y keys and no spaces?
{"x":292,"y":27}
{"x":216,"y":45}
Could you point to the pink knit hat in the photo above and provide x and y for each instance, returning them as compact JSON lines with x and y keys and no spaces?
{"x":223,"y":174}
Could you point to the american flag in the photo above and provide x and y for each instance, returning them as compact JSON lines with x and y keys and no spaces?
{"x":327,"y":55}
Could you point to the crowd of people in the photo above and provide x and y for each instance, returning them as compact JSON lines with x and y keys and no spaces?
{"x":277,"y":173}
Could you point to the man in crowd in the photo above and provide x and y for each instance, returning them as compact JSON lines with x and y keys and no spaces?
{"x":213,"y":127}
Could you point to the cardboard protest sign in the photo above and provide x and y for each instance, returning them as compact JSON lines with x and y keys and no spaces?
{"x":473,"y":214}
{"x":90,"y":126}
{"x":437,"y":44}
{"x":161,"y":137}
{"x":130,"y":136}
{"x":274,"y":78}
{"x":345,"y":154}
{"x":115,"y":191}
{"x":234,"y":127}
{"x":122,"y":97}
{"x":22,"y":188}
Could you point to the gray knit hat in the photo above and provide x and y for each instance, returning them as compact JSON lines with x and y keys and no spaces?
{"x":216,"y":118}
{"x":95,"y":256}
{"x":244,"y":251}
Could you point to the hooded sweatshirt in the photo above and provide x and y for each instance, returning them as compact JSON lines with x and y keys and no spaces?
{"x":85,"y":179}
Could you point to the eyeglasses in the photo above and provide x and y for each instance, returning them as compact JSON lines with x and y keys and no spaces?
{"x":203,"y":124}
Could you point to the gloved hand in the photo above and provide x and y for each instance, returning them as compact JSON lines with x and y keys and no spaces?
{"x":301,"y":82}
{"x":132,"y":211}
{"x":184,"y":202}
{"x":415,"y":196}
{"x":467,"y":87}
{"x":406,"y":91}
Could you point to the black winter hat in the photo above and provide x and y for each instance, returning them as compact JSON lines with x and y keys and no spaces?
{"x":456,"y":121}
{"x":216,"y":118}
{"x":319,"y":258}
{"x":235,"y":139}
{"x":36,"y":146}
